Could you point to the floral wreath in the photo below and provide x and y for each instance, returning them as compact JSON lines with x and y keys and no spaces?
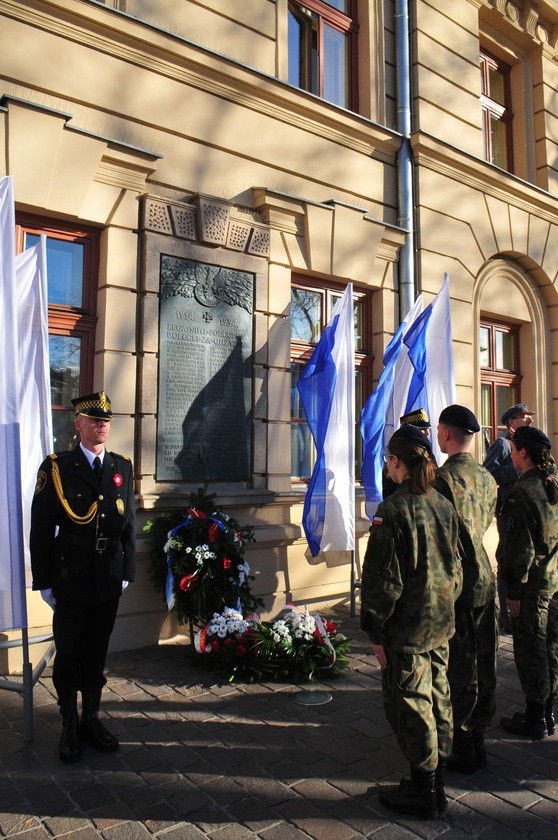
{"x":198,"y":563}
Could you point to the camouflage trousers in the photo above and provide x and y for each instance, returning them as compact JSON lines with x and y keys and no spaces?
{"x":418,"y":706}
{"x":535,"y":647}
{"x":472,"y":665}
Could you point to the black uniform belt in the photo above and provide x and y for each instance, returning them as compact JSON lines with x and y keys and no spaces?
{"x":99,"y":544}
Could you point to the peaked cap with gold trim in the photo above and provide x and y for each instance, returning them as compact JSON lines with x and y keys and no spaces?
{"x":94,"y":405}
{"x":418,"y":417}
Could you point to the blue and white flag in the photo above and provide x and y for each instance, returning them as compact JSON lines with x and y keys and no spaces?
{"x":429,"y":347}
{"x":380,"y":415}
{"x":13,"y":611}
{"x":418,"y":373}
{"x":327,"y":392}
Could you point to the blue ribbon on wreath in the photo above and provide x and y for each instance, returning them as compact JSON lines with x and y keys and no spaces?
{"x":169,"y":583}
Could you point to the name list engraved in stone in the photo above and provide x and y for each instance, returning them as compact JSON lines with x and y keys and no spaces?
{"x":205,"y":372}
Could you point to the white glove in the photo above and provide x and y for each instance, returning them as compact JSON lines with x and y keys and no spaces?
{"x":48,"y":597}
{"x":125,"y":584}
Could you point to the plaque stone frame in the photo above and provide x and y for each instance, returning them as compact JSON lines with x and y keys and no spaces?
{"x":203,"y":306}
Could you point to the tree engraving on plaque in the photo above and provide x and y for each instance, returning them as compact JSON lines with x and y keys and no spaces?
{"x":205,"y":371}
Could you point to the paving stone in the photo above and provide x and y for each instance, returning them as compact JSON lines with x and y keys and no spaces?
{"x":205,"y":761}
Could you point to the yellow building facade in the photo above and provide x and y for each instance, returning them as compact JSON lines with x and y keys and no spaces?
{"x":261,"y":138}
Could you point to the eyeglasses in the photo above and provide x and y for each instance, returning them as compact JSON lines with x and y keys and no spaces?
{"x":386,"y":456}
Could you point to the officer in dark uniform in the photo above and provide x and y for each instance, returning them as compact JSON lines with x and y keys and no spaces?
{"x":82,"y":557}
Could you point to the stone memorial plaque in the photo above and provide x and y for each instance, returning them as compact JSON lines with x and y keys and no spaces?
{"x":205,"y":372}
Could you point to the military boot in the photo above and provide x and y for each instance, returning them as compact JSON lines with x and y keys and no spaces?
{"x":549,"y":715}
{"x":68,"y":746}
{"x":415,"y":797}
{"x":439,"y":789}
{"x":478,"y":746}
{"x":462,"y":758}
{"x":530,"y":723}
{"x":90,"y":727}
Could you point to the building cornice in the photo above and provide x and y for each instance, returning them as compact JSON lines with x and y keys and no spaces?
{"x":149,"y":47}
{"x":431,"y":153}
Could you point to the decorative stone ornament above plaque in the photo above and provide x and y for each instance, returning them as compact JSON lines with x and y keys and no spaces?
{"x":207,"y":220}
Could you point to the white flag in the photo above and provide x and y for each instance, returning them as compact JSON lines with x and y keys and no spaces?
{"x":13,"y":611}
{"x":35,"y":402}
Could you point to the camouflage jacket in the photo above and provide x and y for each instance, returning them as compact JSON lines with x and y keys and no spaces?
{"x":530,"y":551}
{"x":411,"y":574}
{"x":473,"y":492}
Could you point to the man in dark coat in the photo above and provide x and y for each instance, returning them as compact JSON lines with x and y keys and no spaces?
{"x":82,"y":557}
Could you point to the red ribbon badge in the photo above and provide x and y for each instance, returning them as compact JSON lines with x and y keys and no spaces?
{"x":188,"y":582}
{"x":117,"y":478}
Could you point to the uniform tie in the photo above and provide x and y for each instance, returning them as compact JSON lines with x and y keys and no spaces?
{"x":97,"y":467}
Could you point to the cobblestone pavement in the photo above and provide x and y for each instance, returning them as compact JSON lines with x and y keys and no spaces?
{"x":200,"y":758}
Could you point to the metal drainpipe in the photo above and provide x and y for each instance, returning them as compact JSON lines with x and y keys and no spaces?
{"x":404,"y":158}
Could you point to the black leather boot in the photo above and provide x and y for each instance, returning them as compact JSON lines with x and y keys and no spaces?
{"x":478,"y":745}
{"x":462,"y":758}
{"x":549,"y":715}
{"x":90,"y":727}
{"x":530,"y":723}
{"x":68,"y":746}
{"x":415,"y":796}
{"x":439,"y":789}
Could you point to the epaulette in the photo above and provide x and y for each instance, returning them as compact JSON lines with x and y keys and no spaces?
{"x":118,"y":455}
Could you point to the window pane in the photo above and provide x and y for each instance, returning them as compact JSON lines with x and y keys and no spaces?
{"x":294,"y":46}
{"x":358,"y":317}
{"x":486,"y":419}
{"x":65,"y":359}
{"x":64,"y":430}
{"x":302,"y":447}
{"x":497,"y":87}
{"x":65,"y":262}
{"x":484,"y":347}
{"x":505,"y":398}
{"x":306,"y":315}
{"x":303,"y":61}
{"x":335,"y":65}
{"x":505,"y":351}
{"x":498,"y":141}
{"x":358,"y":408}
{"x":340,"y":5}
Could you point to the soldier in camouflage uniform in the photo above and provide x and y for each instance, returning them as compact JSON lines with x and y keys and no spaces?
{"x":498,"y":462}
{"x":473,"y":649}
{"x":531,"y":577}
{"x":411,"y":577}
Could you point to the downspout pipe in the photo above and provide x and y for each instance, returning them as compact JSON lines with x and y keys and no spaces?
{"x":406,"y":274}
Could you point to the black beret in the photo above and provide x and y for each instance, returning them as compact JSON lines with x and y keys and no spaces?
{"x":518,"y":410}
{"x":418,"y":418}
{"x":527,"y":436}
{"x":461,"y":418}
{"x":413,"y":435}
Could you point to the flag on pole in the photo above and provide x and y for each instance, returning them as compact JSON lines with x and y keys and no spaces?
{"x":327,"y":392}
{"x":429,"y":346}
{"x":35,"y":416}
{"x":418,"y":373}
{"x":380,"y":415}
{"x":13,"y":611}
